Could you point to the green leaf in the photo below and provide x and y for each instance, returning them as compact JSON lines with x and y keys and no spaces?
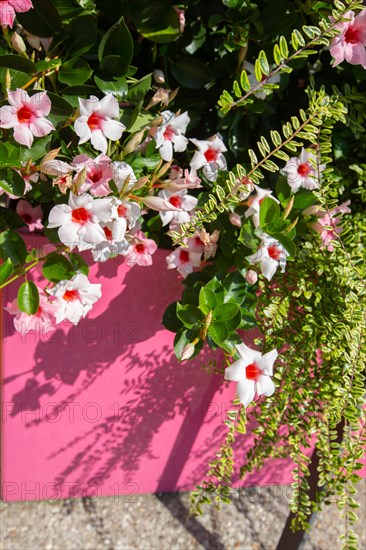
{"x":303,"y":199}
{"x":80,"y":35}
{"x":117,"y":41}
{"x":18,"y":63}
{"x":13,"y":247}
{"x":164,"y":29}
{"x":190,"y":315}
{"x":225,"y":312}
{"x":28,"y":298}
{"x":286,"y":242}
{"x":207,"y":297}
{"x":11,"y":181}
{"x":139,"y":89}
{"x":117,"y":87}
{"x":43,"y":20}
{"x":10,"y":154}
{"x":263,"y":61}
{"x":10,"y":219}
{"x":244,"y":81}
{"x":38,"y":149}
{"x":113,"y":65}
{"x":74,"y":72}
{"x":190,"y":72}
{"x":170,"y":319}
{"x":78,"y":263}
{"x":218,"y":332}
{"x":269,"y":211}
{"x":283,"y":47}
{"x":57,"y":268}
{"x":6,"y":269}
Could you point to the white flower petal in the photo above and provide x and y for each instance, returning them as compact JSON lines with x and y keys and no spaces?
{"x":98,"y":141}
{"x":247,"y":354}
{"x":265,"y":386}
{"x":266,"y":362}
{"x":60,"y":214}
{"x":236,"y":371}
{"x":246,"y":391}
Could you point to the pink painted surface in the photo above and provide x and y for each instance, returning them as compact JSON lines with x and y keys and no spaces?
{"x":104,"y":408}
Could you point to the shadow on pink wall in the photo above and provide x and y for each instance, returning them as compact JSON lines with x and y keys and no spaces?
{"x":104,"y":408}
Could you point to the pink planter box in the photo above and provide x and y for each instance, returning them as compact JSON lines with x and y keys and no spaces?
{"x":104,"y":408}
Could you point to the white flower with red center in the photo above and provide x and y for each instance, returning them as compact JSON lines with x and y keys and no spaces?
{"x":79,"y":221}
{"x":184,"y":259}
{"x":97,"y":174}
{"x":209,"y":156}
{"x":96,"y":123}
{"x":170,"y":136}
{"x":271,"y":255}
{"x":31,"y":216}
{"x":123,"y":176}
{"x":261,"y":93}
{"x":179,"y":199}
{"x":9,"y":8}
{"x":141,"y":250}
{"x":130,"y":211}
{"x":350,"y":44}
{"x":254,"y":203}
{"x":42,"y":321}
{"x":27,"y":116}
{"x":301,"y":172}
{"x":252,"y":372}
{"x":327,"y":225}
{"x":114,"y":243}
{"x":75,"y":298}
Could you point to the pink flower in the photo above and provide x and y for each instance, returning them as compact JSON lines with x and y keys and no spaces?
{"x":301,"y":172}
{"x":180,"y":200}
{"x":27,"y":116}
{"x":235,"y":219}
{"x":31,"y":216}
{"x":78,"y":221}
{"x":184,"y":260}
{"x":209,"y":156}
{"x":327,"y":225}
{"x":74,"y":298}
{"x":8,"y":9}
{"x":43,"y":320}
{"x":251,"y":277}
{"x":182,"y":180}
{"x":169,"y":136}
{"x":271,"y":255}
{"x":182,"y":19}
{"x":252,"y":372}
{"x":97,"y":175}
{"x":350,"y":44}
{"x":141,"y":250}
{"x":96,"y":121}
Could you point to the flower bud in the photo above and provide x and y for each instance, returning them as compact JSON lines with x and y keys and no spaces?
{"x":251,"y":277}
{"x":235,"y":219}
{"x":159,"y":76}
{"x":18,"y":43}
{"x":187,"y":352}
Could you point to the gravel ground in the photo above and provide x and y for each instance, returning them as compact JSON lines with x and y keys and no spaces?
{"x":254,"y":521}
